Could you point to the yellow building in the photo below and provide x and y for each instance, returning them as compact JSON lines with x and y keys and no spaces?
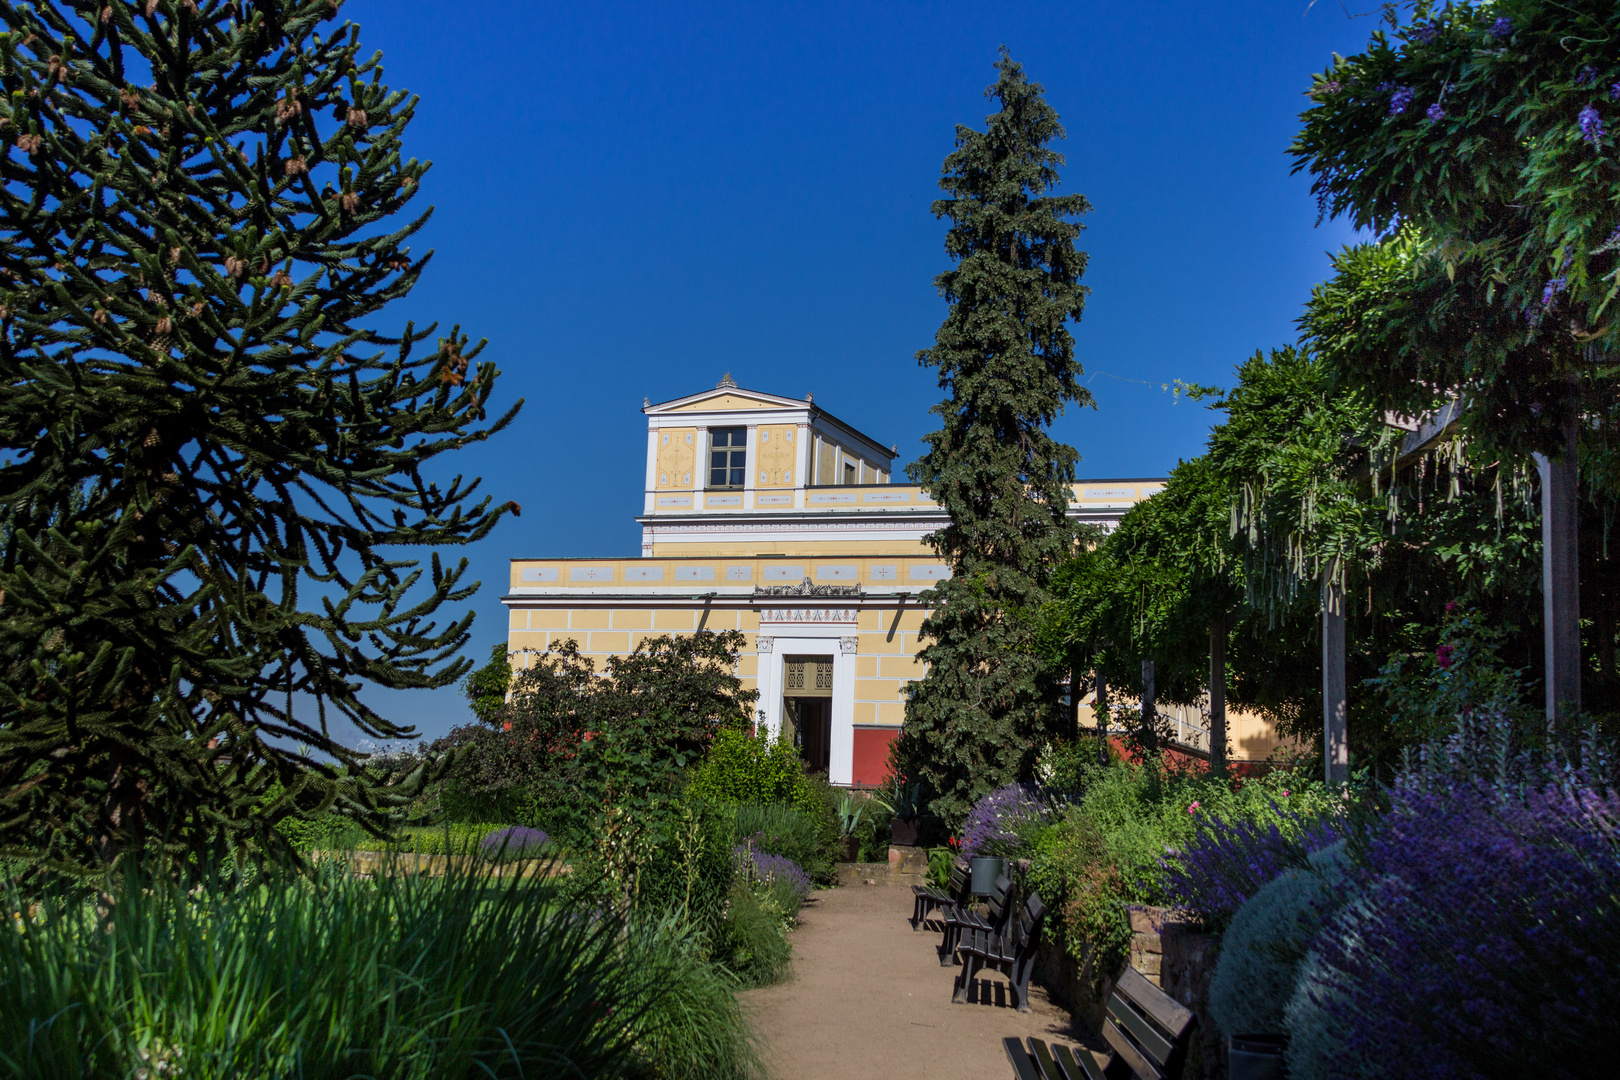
{"x":771,"y":516}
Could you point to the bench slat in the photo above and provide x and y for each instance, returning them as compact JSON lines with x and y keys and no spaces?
{"x":1023,"y":1065}
{"x":1129,"y":1054}
{"x":1082,"y":1066}
{"x":1043,"y":1058}
{"x":1154,"y":1003}
{"x":1157,"y":1046}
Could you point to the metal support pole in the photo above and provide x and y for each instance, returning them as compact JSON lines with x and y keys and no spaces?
{"x":1101,"y":710}
{"x":1217,"y":694}
{"x":1074,"y":702}
{"x":1560,"y":577}
{"x":1150,"y":708}
{"x":1335,"y":726}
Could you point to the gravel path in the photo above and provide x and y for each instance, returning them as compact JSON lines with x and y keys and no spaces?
{"x":869,"y":1001}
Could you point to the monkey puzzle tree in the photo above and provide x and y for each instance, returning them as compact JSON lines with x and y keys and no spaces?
{"x":211,"y":459}
{"x":1006,"y":361}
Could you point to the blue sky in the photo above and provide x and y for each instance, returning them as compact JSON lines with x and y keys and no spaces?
{"x":633,"y":199}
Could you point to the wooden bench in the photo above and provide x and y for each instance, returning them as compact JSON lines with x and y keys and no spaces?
{"x":962,"y":919}
{"x":1010,"y":951}
{"x":1148,"y":1030}
{"x":926,"y":899}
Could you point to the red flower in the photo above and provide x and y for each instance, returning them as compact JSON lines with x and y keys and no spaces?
{"x":1442,"y":656}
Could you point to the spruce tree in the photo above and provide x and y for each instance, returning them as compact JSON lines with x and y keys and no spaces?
{"x":1006,"y":362}
{"x":212,"y":460}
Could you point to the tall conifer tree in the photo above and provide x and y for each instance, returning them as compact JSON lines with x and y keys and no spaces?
{"x":1006,"y":362}
{"x":211,"y":458}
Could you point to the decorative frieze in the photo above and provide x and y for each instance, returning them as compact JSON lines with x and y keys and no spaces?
{"x":807,"y":615}
{"x":807,"y":588}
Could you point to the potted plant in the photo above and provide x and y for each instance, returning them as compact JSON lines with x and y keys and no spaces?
{"x":851,"y":811}
{"x":905,"y":803}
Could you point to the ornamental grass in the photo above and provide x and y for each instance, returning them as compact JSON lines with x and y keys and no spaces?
{"x":401,"y":976}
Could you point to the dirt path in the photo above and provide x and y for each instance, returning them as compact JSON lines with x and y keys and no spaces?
{"x":869,"y":1001}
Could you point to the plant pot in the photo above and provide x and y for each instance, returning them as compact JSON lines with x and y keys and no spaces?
{"x":852,"y":848}
{"x":982,"y":873}
{"x":902,"y":832}
{"x":1256,"y":1057}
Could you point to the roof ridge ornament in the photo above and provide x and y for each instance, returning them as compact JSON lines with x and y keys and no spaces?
{"x":808,"y":588}
{"x":725,"y":383}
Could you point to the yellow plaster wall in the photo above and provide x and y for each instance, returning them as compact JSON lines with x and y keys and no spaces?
{"x":722,"y":402}
{"x":676,"y":459}
{"x":775,"y":453}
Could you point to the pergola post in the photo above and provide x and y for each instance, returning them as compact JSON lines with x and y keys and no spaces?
{"x":1560,"y":576}
{"x":1101,"y":711}
{"x":1150,"y":707}
{"x":1335,"y":725}
{"x":1217,"y":694}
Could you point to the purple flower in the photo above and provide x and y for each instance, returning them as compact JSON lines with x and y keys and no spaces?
{"x":1586,"y":75}
{"x":1443,"y":656}
{"x":515,"y":842}
{"x":1399,"y":100}
{"x":1227,"y":862}
{"x":1436,"y":112}
{"x":1553,"y":288}
{"x":1423,"y":33}
{"x":1591,"y":124}
{"x":1502,"y":28}
{"x":1614,"y":92}
{"x":1483,"y":919}
{"x":993,"y":825}
{"x":772,"y":870}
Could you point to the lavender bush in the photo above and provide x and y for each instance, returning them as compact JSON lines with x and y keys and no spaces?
{"x":1229,"y":861}
{"x":514,"y":842}
{"x":779,"y":875}
{"x":1484,"y":938}
{"x":1004,"y":821}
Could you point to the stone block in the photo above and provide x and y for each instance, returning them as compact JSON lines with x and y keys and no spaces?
{"x":1148,"y":964}
{"x":1146,"y":920}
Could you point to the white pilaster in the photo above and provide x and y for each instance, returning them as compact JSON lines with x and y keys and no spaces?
{"x":652,"y":471}
{"x":752,"y":459}
{"x":841,"y":758}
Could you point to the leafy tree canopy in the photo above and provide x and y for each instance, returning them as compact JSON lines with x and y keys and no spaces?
{"x":1487,"y":129}
{"x":212,"y":459}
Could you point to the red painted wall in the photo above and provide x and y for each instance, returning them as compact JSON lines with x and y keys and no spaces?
{"x":872,"y":754}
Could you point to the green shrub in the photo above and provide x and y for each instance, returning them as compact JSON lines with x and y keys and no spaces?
{"x":1075,"y":873}
{"x":785,"y":831}
{"x":752,"y":944}
{"x":1262,"y":950}
{"x":1107,"y":849}
{"x":404,"y":976}
{"x":743,"y":767}
{"x":329,"y":832}
{"x":457,"y":838}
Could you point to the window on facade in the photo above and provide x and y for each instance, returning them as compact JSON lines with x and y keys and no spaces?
{"x":728,"y":453}
{"x":849,"y":472}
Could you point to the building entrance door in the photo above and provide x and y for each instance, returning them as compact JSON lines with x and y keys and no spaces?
{"x":807,"y":708}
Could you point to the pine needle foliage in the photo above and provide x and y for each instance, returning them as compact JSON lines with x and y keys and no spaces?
{"x":210,"y":457}
{"x":1005,"y":359}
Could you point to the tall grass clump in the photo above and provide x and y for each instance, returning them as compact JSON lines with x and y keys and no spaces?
{"x":400,"y":976}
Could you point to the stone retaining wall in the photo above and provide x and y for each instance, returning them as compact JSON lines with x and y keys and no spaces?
{"x":1170,"y":955}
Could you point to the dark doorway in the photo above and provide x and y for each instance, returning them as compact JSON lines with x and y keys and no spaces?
{"x":807,"y":707}
{"x":811,"y":719}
